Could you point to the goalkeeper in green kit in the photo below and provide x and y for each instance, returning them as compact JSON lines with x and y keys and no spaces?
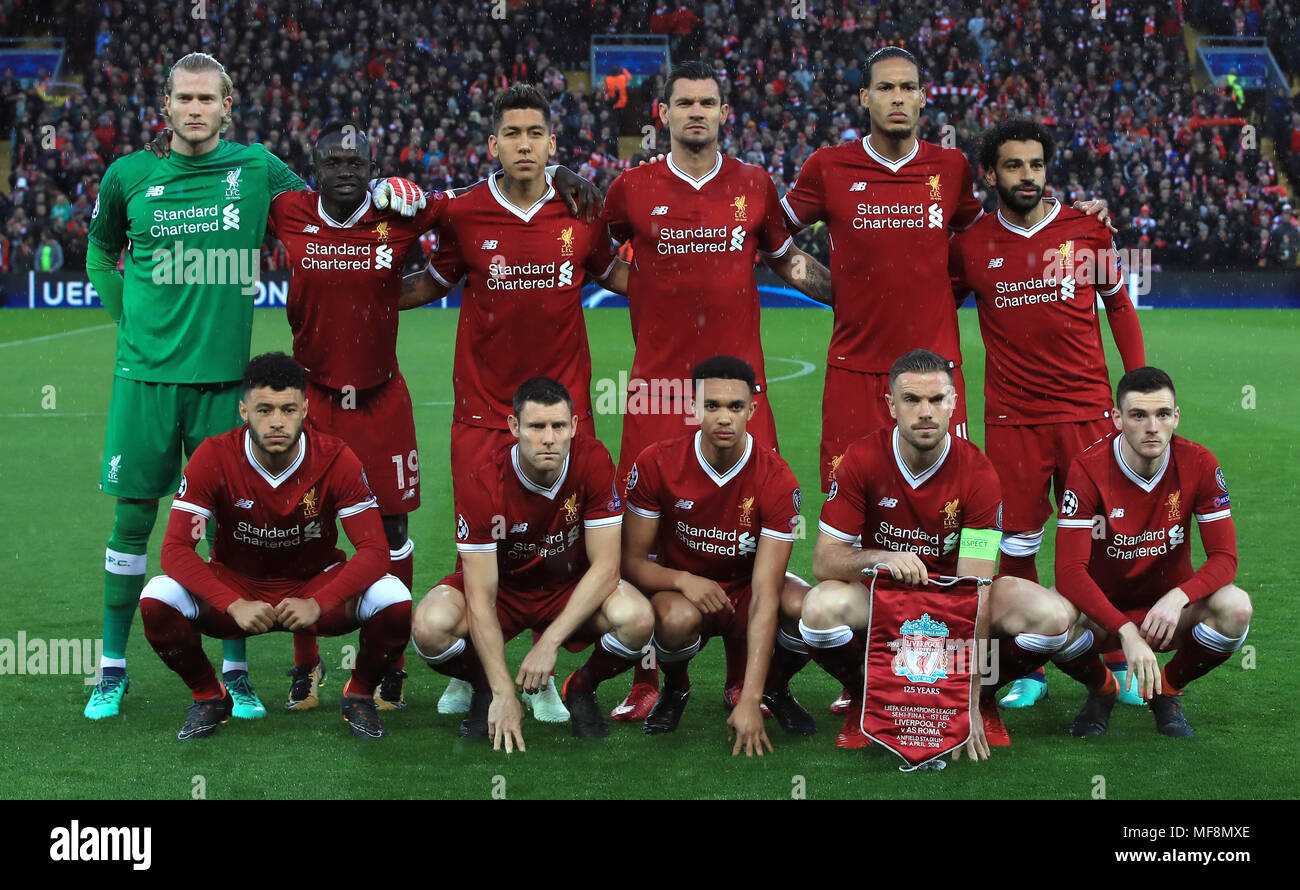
{"x":192,"y":225}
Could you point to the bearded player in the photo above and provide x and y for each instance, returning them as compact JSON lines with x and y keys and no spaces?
{"x":720,"y":514}
{"x":1037,"y":268}
{"x":524,"y":259}
{"x":695,"y":223}
{"x":922,"y":502}
{"x":537,"y":533}
{"x":1123,"y":559}
{"x":274,"y":491}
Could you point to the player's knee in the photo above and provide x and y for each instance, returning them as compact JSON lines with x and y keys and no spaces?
{"x":1234,"y":610}
{"x":638,"y":627}
{"x":385,"y":592}
{"x":436,"y":619}
{"x":793,"y":593}
{"x":133,"y":522}
{"x":826,"y":605}
{"x":675,"y":618}
{"x":165,"y":590}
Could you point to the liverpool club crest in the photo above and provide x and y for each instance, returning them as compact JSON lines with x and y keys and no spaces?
{"x":922,"y":650}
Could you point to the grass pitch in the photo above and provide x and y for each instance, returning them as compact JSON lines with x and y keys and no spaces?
{"x":1235,"y":372}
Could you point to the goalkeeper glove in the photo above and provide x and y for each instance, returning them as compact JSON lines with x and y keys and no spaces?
{"x":397,"y":194}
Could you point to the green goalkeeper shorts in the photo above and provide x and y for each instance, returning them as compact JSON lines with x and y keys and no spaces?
{"x":148,"y":426}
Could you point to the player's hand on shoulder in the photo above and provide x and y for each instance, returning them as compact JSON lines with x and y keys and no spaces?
{"x":1099,"y":208}
{"x":745,"y":725}
{"x":252,"y":616}
{"x":536,"y":667}
{"x":505,"y":723}
{"x":297,"y":614}
{"x":161,"y":145}
{"x":704,"y":594}
{"x":583,"y":198}
{"x":905,"y":566}
{"x":653,"y":159}
{"x":397,"y":194}
{"x":1143,"y":669}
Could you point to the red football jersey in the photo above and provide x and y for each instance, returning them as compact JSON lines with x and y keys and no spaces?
{"x":691,"y":291}
{"x":344,"y":284}
{"x":889,"y":223}
{"x":710,"y":522}
{"x":1036,"y":292}
{"x":537,"y":533}
{"x":274,"y":527}
{"x":1138,"y":529}
{"x":521,"y":314}
{"x":876,"y":497}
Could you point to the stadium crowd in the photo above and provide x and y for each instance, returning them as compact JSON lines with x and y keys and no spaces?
{"x":1117,"y":93}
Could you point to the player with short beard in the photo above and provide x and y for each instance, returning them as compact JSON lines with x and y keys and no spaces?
{"x":274,"y":492}
{"x":1123,"y":559}
{"x":720,"y":515}
{"x":695,"y":223}
{"x":1037,"y":268}
{"x":917,"y":483}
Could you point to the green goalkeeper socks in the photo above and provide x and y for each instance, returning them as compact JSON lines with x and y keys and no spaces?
{"x":124,"y":568}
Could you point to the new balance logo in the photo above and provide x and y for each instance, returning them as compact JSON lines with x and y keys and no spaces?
{"x":889,"y":503}
{"x":683,"y":504}
{"x":995,"y":263}
{"x":310,"y":230}
{"x":518,"y":528}
{"x":1117,"y":513}
{"x":490,"y":245}
{"x":244,"y":504}
{"x":858,"y":187}
{"x":659,"y":210}
{"x":154,"y":191}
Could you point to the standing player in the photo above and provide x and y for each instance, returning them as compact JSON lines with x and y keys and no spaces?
{"x":346,"y":261}
{"x":696,"y":223}
{"x":182,"y":344}
{"x":922,"y":502}
{"x":1037,"y":268}
{"x":275,"y":492}
{"x":720,"y":515}
{"x":525,"y":259}
{"x":537,"y":531}
{"x":1123,"y":559}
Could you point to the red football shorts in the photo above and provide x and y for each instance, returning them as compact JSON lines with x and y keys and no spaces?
{"x":854,"y":406}
{"x":730,"y":625}
{"x":339,"y":620}
{"x":378,"y":424}
{"x":472,"y":445}
{"x":1031,"y":460}
{"x":518,"y":612}
{"x":643,"y":429}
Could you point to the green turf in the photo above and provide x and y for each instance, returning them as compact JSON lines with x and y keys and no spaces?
{"x":53,"y":525}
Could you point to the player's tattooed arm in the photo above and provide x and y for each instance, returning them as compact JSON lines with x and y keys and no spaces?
{"x":505,"y":715}
{"x":616,"y":280}
{"x":420,"y":289}
{"x":803,"y":273}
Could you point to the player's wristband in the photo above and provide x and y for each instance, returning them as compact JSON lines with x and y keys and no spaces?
{"x":979,"y":543}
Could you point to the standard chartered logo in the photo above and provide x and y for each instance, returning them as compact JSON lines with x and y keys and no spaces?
{"x":383,"y":257}
{"x":737,"y":237}
{"x":230,"y":217}
{"x":934,"y":216}
{"x":177,"y":265}
{"x":1067,"y":288}
{"x":566,"y":273}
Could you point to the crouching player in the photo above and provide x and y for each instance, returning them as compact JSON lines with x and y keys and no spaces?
{"x":274,"y":493}
{"x":1123,"y":558}
{"x":720,"y":513}
{"x":537,"y":532}
{"x":922,"y":502}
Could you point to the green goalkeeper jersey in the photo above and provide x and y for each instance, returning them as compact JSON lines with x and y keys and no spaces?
{"x":193,"y":229}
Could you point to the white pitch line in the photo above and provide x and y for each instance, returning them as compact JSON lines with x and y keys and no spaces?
{"x":98,"y":327}
{"x":805,"y":368}
{"x":60,"y":414}
{"x":423,"y":404}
